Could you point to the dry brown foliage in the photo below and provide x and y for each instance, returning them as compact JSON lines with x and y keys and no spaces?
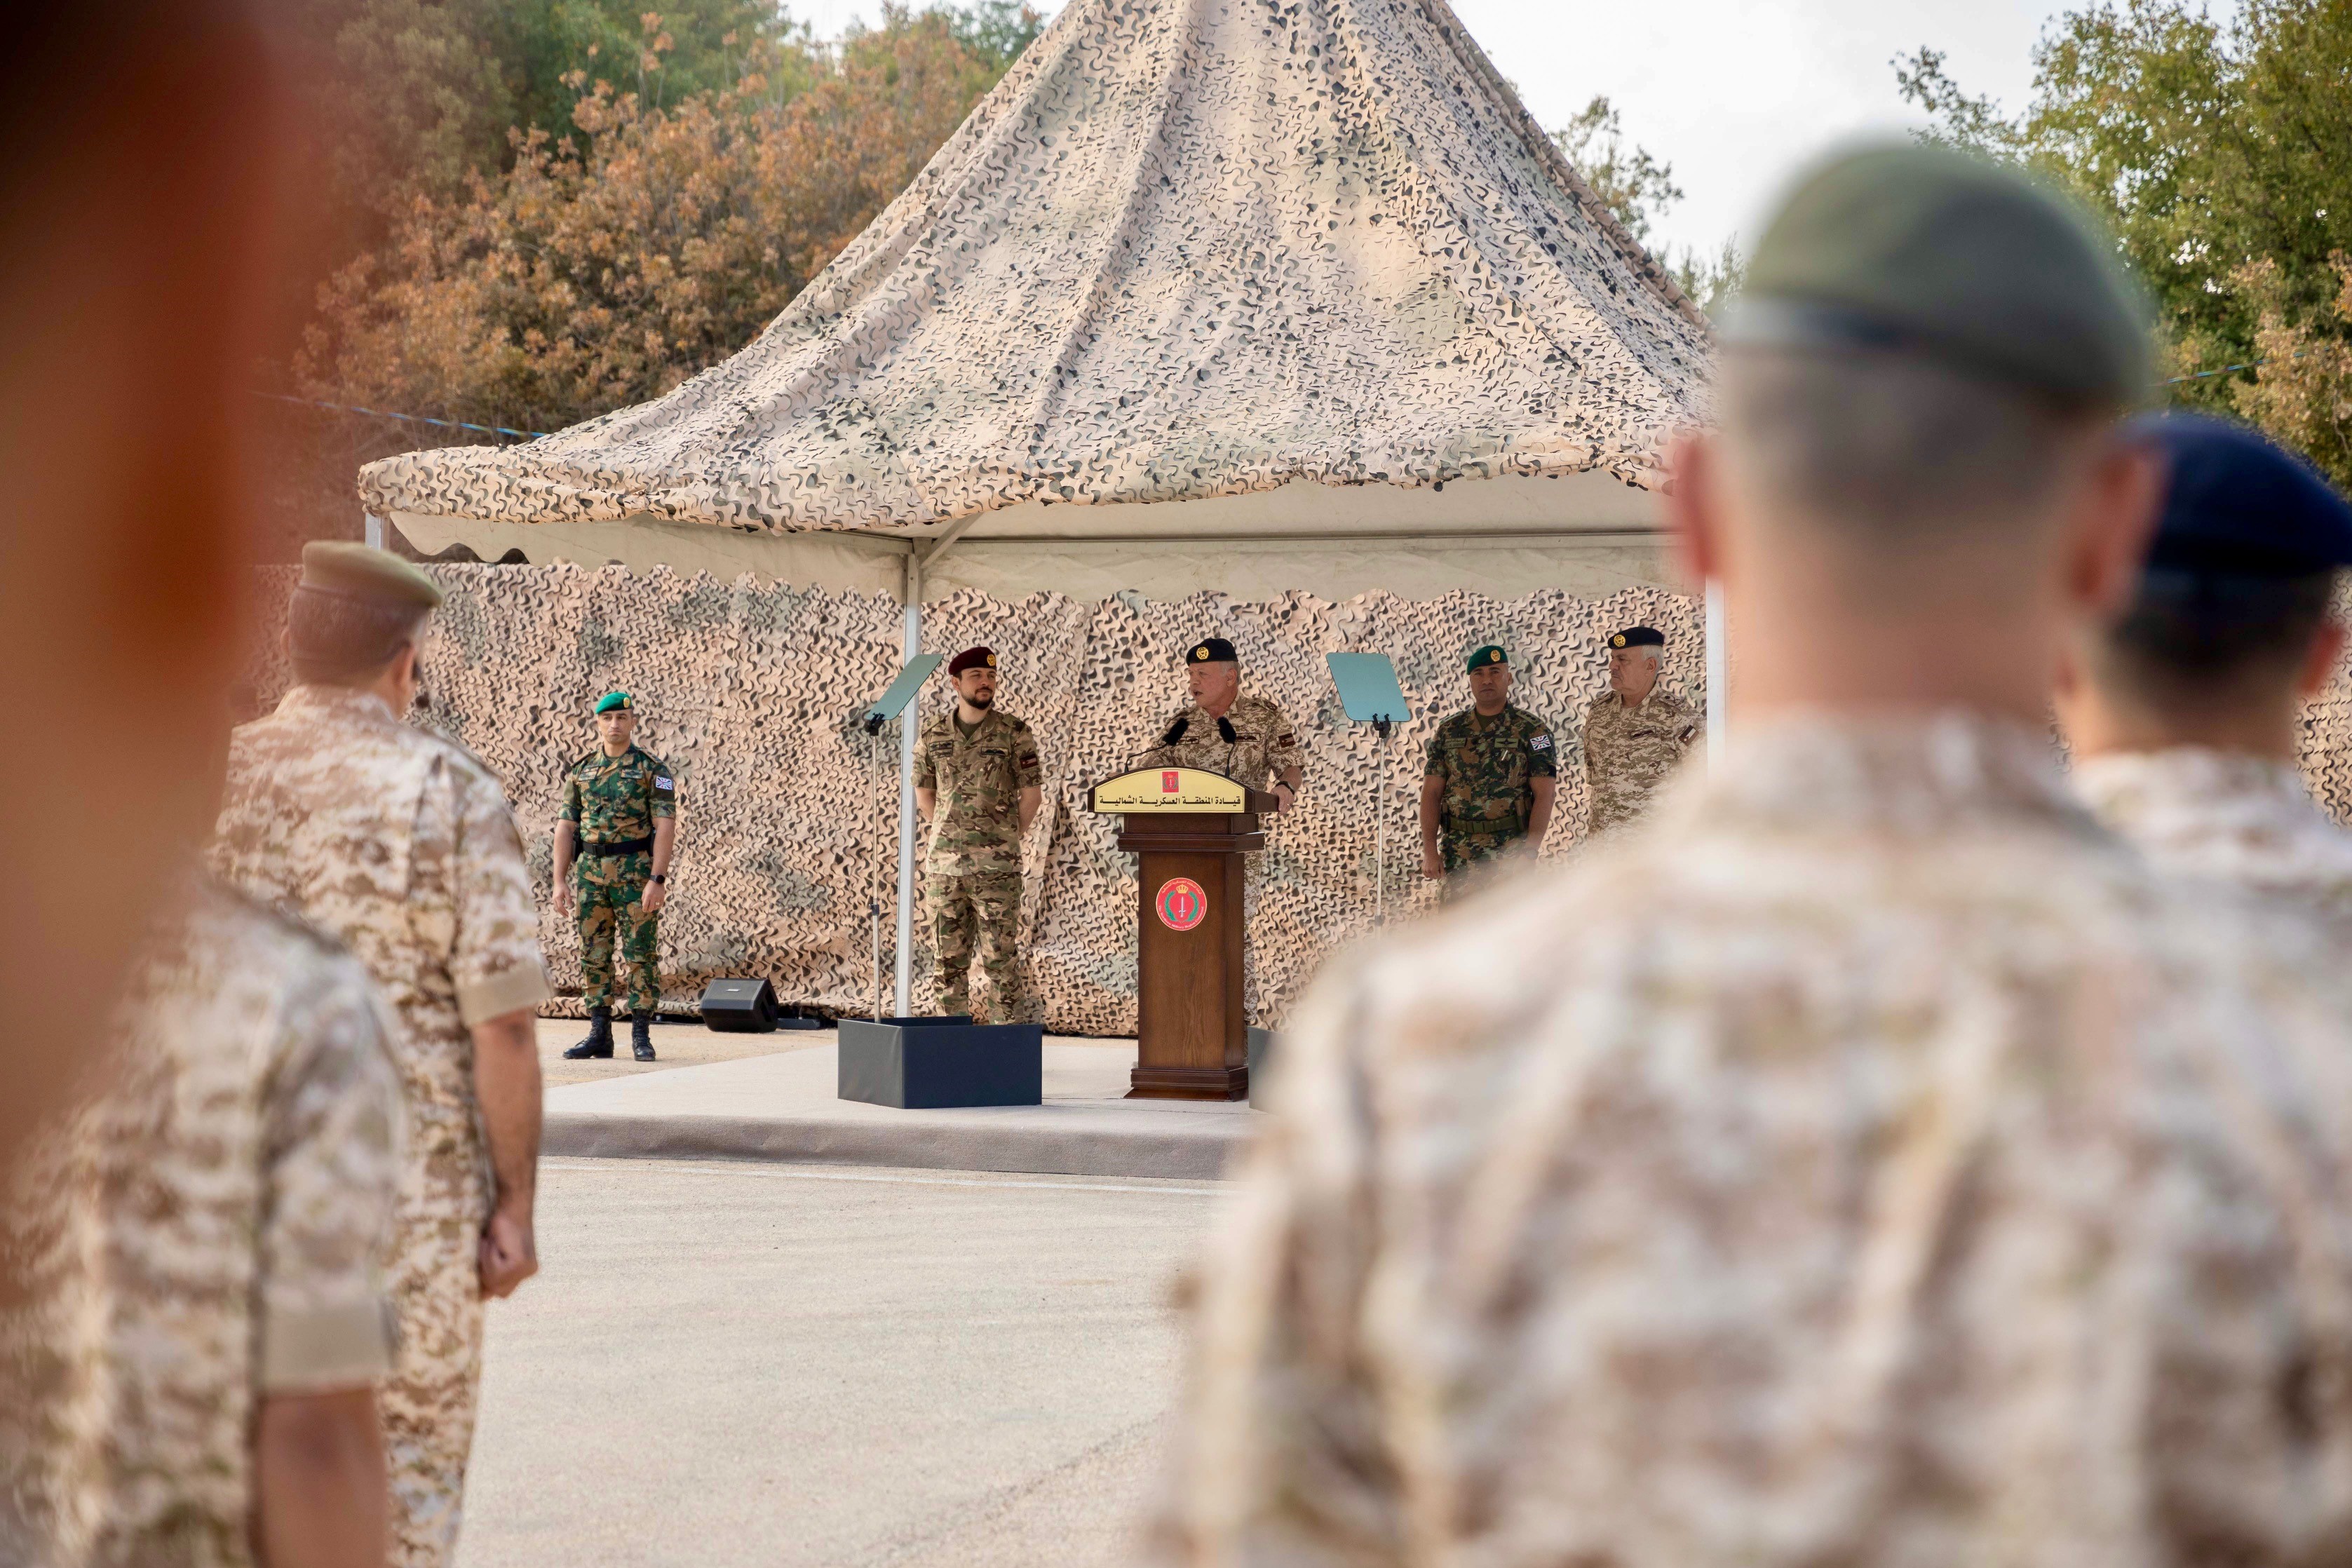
{"x":2301,"y":393}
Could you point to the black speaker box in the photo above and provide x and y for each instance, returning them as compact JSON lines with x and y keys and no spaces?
{"x":740,"y":1006}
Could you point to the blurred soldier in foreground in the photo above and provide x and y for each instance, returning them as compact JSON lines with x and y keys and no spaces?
{"x":620,"y":816}
{"x":2182,"y":712}
{"x":401,"y":845}
{"x":1489,"y":778}
{"x":190,"y":1378}
{"x":1246,"y":739}
{"x":1634,"y":732}
{"x":978,"y":783}
{"x":1863,"y":1159}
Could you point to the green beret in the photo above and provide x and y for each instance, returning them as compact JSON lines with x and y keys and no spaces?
{"x":1490,"y":654}
{"x":356,"y":572}
{"x":615,"y":702}
{"x":1931,"y":251}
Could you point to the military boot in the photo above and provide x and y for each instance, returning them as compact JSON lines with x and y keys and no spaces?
{"x":641,"y":1035}
{"x":599,"y":1042}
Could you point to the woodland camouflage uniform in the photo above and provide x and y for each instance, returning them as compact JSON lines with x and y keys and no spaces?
{"x":971,"y":867}
{"x":1489,"y":767}
{"x":1629,"y":752}
{"x":401,"y":845}
{"x":205,"y":1234}
{"x":617,"y":800}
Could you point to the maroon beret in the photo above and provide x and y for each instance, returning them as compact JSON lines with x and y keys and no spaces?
{"x":972,"y":658}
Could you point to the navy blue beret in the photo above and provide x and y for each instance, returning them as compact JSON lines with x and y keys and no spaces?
{"x":2237,"y":503}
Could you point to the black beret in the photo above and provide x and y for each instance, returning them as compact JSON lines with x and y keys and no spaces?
{"x":2236,"y":503}
{"x":1932,"y":251}
{"x":1211,"y":650}
{"x":972,"y":658}
{"x":1639,"y":637}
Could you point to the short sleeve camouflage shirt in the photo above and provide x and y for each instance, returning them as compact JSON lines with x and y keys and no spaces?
{"x":1264,"y":746}
{"x":976,"y":822}
{"x":1628,"y":751}
{"x":1489,"y":767}
{"x":203,"y":1234}
{"x":1864,"y":1160}
{"x":614,"y":799}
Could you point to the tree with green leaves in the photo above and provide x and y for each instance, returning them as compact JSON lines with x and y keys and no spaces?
{"x":2220,"y":148}
{"x":1637,"y":188}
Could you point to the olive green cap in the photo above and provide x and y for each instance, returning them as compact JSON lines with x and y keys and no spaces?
{"x":1929,"y":251}
{"x":617,"y":702}
{"x":358,"y":572}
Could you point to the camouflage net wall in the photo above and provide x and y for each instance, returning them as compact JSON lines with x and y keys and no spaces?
{"x":752,"y":694}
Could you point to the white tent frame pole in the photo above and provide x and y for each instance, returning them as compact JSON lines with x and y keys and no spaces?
{"x":1718,"y":674}
{"x":911,"y":643}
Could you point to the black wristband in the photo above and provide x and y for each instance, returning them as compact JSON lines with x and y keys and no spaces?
{"x":661,"y":877}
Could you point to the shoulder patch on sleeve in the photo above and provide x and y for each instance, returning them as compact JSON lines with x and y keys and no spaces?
{"x":662,"y":781}
{"x":1540,"y":742}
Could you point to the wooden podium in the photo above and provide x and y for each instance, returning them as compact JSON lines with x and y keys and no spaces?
{"x":1189,"y":829}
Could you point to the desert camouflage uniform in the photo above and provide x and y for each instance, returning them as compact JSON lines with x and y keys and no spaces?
{"x":401,"y":845}
{"x":1489,"y":767}
{"x":972,"y":867}
{"x":205,"y":1234}
{"x":1264,"y":746}
{"x":1629,"y":752}
{"x":1868,"y":1160}
{"x":616,"y":800}
{"x":2227,"y":818}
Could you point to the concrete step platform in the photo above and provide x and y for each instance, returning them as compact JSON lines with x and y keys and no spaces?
{"x":782,"y":1107}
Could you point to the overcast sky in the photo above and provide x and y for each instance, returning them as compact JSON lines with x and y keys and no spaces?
{"x":1732,"y":93}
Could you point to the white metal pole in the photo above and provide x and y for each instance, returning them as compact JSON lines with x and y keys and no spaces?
{"x":1379,"y":829}
{"x":375,"y":531}
{"x":910,"y":717}
{"x":1718,"y":674}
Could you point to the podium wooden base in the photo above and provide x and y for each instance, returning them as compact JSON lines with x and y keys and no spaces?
{"x":1188,"y":1083}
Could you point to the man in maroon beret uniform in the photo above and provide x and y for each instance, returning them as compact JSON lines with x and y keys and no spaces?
{"x":978,"y":784}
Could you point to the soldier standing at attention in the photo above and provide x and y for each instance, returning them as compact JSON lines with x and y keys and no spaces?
{"x":401,"y":845}
{"x":620,"y":818}
{"x":1867,"y":1159}
{"x":1490,"y":777}
{"x":1634,"y":732}
{"x":1246,"y":739}
{"x":2182,"y":712}
{"x":978,"y":783}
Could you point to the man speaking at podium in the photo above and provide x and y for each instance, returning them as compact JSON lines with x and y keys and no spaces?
{"x":1222,"y":732}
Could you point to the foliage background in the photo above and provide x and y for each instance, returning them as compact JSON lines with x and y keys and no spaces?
{"x":2220,"y":148}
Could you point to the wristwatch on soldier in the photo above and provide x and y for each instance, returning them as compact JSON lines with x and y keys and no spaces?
{"x":661,"y":877}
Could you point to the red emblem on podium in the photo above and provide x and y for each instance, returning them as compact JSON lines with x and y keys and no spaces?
{"x":1168,"y":781}
{"x":1182,"y":903}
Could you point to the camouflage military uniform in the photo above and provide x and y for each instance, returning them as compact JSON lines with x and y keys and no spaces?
{"x":401,"y":845}
{"x":617,"y":800}
{"x":972,"y":867}
{"x":1628,"y":751}
{"x":1874,"y":1163}
{"x":203,"y":1236}
{"x":1489,"y":767}
{"x":2230,"y":818}
{"x":1262,"y":748}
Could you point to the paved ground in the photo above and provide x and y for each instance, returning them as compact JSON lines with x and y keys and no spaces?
{"x":674,"y":1046}
{"x":786,"y":1364}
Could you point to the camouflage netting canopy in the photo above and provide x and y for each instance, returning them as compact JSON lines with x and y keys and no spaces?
{"x":1188,"y":254}
{"x":753,"y":692}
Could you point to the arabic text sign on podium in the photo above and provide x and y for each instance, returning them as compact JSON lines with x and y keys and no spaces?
{"x":1188,"y":830}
